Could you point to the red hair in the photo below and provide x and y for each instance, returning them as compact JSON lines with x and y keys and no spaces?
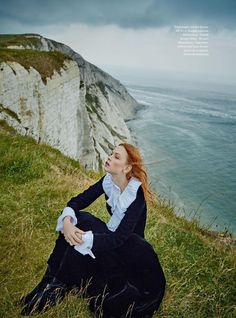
{"x":138,"y":170}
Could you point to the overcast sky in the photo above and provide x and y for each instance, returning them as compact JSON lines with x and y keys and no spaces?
{"x":131,"y":34}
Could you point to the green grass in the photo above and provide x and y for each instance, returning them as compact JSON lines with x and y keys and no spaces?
{"x":44,"y":62}
{"x":36,"y":183}
{"x":19,"y":40}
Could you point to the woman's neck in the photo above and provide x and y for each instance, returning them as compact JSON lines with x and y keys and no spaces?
{"x":120,"y":181}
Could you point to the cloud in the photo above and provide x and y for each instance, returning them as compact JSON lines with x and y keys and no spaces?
{"x":130,"y":33}
{"x":134,"y":14}
{"x":152,"y":49}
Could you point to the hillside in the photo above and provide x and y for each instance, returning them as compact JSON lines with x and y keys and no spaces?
{"x":36,"y":183}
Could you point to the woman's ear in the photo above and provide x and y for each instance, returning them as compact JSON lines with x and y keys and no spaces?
{"x":128,"y":168}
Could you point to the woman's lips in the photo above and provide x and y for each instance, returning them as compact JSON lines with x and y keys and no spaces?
{"x":107,"y":164}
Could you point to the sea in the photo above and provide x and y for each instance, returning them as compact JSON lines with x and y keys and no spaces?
{"x":186,"y":130}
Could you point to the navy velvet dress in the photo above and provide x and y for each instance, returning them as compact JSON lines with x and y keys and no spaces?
{"x":126,"y":275}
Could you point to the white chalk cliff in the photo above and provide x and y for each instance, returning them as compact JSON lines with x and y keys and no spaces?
{"x":80,"y":110}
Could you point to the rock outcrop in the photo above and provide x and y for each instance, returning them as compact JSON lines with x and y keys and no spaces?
{"x":78,"y":109}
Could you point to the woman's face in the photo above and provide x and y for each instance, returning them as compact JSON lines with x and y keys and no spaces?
{"x":117,"y":161}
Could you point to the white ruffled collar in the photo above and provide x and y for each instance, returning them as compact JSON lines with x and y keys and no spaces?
{"x":120,"y":201}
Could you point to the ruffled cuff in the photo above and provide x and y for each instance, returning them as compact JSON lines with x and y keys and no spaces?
{"x":85,"y":248}
{"x":67,"y":211}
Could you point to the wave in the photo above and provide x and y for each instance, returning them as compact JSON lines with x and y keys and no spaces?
{"x":206,"y":113}
{"x":197,"y":139}
{"x":171,"y":195}
{"x":206,"y":106}
{"x":143,"y":102}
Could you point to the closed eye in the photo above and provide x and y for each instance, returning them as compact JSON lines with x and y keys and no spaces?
{"x":117,"y":157}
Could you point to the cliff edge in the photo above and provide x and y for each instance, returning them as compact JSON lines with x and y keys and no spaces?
{"x":51,"y":93}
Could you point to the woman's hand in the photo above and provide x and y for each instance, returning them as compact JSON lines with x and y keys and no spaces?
{"x":72,"y":234}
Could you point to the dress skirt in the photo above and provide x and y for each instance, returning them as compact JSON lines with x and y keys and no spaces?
{"x":128,"y":274}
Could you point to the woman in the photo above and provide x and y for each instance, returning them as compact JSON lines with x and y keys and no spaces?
{"x":111,"y":262}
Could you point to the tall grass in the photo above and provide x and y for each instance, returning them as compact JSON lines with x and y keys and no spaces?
{"x":36,"y":183}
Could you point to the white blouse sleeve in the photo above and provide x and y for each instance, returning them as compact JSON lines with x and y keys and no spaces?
{"x":87,"y":237}
{"x":85,"y":248}
{"x":66,"y":211}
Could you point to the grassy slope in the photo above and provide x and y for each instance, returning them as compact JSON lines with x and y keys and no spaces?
{"x":20,"y":40}
{"x":36,"y":183}
{"x":44,"y":62}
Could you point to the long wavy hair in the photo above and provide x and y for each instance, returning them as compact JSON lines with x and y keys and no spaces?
{"x":138,"y":170}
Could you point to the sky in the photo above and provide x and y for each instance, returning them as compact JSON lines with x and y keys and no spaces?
{"x":133,"y":34}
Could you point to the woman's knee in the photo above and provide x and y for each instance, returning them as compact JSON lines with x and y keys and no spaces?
{"x":83,"y":218}
{"x":87,"y":221}
{"x":81,"y":214}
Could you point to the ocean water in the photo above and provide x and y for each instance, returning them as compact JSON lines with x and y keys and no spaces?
{"x":187,"y":133}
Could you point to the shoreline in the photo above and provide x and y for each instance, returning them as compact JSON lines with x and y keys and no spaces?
{"x":138,"y":108}
{"x":225,"y":237}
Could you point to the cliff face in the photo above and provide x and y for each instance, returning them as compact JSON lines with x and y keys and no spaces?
{"x":78,"y":108}
{"x":48,"y":113}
